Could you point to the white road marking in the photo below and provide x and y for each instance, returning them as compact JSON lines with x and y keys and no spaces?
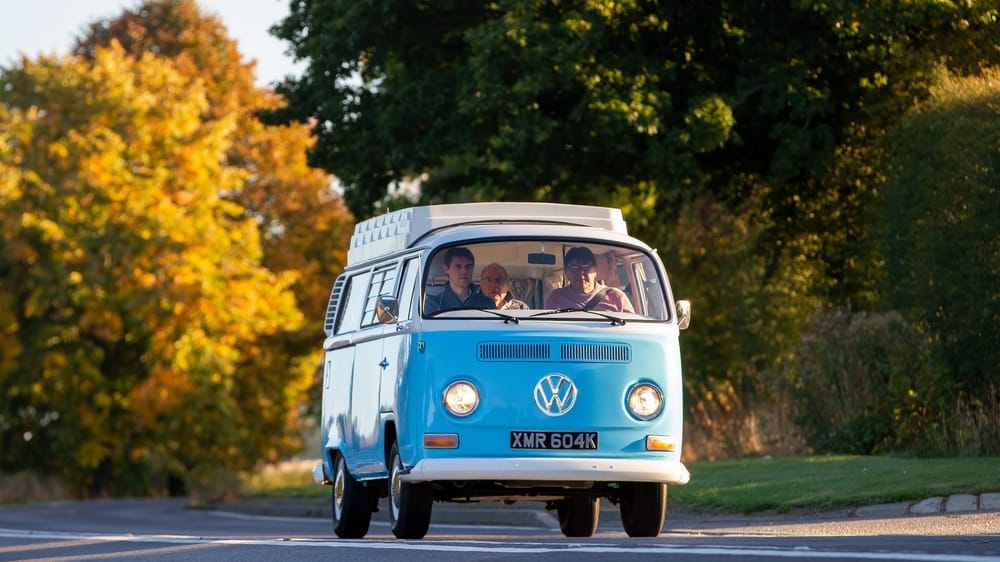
{"x":501,"y":547}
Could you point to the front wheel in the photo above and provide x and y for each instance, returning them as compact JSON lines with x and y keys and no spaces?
{"x":409,"y":503}
{"x":352,"y":512}
{"x":643,"y":508}
{"x":578,"y":515}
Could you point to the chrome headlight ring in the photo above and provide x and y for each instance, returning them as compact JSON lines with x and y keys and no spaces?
{"x":644,"y":401}
{"x":461,"y":398}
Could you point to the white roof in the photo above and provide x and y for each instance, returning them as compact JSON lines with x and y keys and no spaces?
{"x":399,"y":230}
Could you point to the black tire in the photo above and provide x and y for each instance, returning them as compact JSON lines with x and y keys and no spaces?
{"x":352,"y":512}
{"x":643,"y":508}
{"x":409,"y":503}
{"x":578,"y":516}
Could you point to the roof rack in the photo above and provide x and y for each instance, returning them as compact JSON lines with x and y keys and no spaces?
{"x":400,"y":229}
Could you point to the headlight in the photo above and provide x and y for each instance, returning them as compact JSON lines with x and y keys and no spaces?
{"x":461,"y":398}
{"x":645,"y":401}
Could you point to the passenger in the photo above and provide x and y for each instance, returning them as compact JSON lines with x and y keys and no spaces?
{"x":583,"y":291}
{"x":495,"y":284}
{"x":458,"y":293}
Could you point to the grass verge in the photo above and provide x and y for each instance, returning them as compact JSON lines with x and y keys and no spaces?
{"x":753,"y":485}
{"x":783,"y":484}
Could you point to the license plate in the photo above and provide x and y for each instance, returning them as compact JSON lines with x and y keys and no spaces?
{"x":553,"y":439}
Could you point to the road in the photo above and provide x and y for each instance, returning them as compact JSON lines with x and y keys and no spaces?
{"x":165,"y":530}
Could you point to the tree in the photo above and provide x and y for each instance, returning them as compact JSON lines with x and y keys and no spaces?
{"x":939,"y":235}
{"x":767,"y":116}
{"x":134,"y":286}
{"x":603,"y":102}
{"x":643,"y":106}
{"x":304,"y":225}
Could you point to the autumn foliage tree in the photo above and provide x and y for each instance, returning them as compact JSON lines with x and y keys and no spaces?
{"x":165,"y":259}
{"x":304,"y":224}
{"x":134,"y":285}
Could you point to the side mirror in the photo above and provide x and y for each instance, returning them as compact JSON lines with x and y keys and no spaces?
{"x":683,"y":314}
{"x":387,"y":309}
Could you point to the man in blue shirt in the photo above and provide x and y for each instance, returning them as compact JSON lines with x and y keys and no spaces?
{"x":459,"y":264}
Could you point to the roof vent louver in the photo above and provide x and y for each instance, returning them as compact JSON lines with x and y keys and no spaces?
{"x":331,"y":307}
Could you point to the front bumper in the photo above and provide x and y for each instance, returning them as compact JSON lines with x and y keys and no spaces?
{"x":553,"y":470}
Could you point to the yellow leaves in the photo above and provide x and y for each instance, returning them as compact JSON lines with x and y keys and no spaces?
{"x":878,"y":80}
{"x":35,"y":304}
{"x":58,"y":150}
{"x":50,"y":230}
{"x":146,"y":279}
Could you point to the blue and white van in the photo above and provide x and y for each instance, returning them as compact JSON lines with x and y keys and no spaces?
{"x":563,"y":405}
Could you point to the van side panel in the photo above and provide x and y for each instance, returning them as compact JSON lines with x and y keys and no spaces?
{"x":336,"y":398}
{"x":362,"y":455}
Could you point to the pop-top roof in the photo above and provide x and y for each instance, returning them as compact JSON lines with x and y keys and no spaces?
{"x":400,"y":229}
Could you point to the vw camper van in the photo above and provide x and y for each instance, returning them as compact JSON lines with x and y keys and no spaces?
{"x":432,"y":392}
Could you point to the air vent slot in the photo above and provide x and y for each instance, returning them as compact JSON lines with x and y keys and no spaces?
{"x":605,"y":352}
{"x":331,"y":306}
{"x":514,"y":351}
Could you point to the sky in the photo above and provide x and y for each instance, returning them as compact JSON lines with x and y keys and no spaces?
{"x":33,"y":27}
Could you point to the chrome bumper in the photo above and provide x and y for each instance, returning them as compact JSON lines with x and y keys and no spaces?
{"x":555,"y":470}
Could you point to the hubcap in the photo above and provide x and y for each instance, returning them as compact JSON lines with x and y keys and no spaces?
{"x":394,"y":488}
{"x":338,"y":489}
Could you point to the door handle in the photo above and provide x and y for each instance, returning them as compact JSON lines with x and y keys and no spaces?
{"x":384,"y":363}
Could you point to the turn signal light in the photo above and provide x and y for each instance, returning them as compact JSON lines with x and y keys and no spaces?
{"x":659,"y":443}
{"x":441,"y":440}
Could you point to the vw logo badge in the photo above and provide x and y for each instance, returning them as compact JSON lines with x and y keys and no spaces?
{"x":555,"y":394}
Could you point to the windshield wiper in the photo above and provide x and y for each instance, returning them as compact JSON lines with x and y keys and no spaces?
{"x":615,"y":320}
{"x":506,"y":317}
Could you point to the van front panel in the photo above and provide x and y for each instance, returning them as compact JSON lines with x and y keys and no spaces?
{"x":547,"y":390}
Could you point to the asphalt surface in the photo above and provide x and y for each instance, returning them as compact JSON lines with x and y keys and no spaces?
{"x":534,"y":514}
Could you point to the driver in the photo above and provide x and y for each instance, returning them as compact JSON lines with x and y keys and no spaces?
{"x":584,"y":292}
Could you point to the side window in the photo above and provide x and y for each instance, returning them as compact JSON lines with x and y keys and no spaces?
{"x":407,"y":287}
{"x":353,"y":301}
{"x":383,"y":282}
{"x":650,"y":290}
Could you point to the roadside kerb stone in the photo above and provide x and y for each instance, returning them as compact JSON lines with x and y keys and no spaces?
{"x":883,"y":510}
{"x":989,"y":502}
{"x":928,"y":506}
{"x":960,"y":503}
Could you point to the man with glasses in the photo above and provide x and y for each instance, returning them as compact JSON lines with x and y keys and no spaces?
{"x":495,"y":284}
{"x":583,"y":291}
{"x":458,"y":293}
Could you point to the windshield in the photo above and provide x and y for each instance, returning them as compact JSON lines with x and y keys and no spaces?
{"x":570,"y":279}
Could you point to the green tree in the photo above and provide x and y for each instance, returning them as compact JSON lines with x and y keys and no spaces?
{"x":768,"y":115}
{"x":131,"y":287}
{"x":600,"y":101}
{"x":940,"y":235}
